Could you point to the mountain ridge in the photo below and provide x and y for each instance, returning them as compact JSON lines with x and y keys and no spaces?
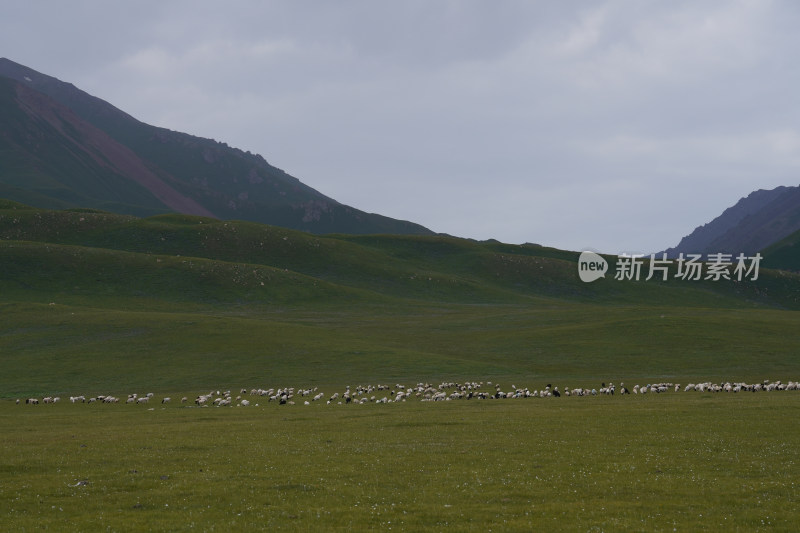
{"x":196,"y":175}
{"x":96,"y":143}
{"x":755,"y":222}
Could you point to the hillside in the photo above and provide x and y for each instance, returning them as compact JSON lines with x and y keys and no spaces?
{"x":752,"y":224}
{"x":98,"y":301}
{"x":64,"y":148}
{"x":208,"y":260}
{"x":52,"y":158}
{"x":784,"y":254}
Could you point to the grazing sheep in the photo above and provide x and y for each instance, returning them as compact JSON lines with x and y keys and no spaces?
{"x":444,"y":391}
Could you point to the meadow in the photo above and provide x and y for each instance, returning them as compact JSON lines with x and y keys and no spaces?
{"x":94,"y":303}
{"x":667,"y":462}
{"x":70,"y":350}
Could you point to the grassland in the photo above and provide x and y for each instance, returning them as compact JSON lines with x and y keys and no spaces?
{"x":71,"y":350}
{"x":685,"y":462}
{"x":94,"y":303}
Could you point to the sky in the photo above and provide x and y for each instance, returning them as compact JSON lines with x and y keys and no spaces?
{"x":612,"y":125}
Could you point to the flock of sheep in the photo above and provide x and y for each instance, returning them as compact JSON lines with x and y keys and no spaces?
{"x":426,"y":392}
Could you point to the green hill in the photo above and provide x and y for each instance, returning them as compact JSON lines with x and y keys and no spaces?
{"x":98,"y":301}
{"x":784,"y":254}
{"x":425,"y":268}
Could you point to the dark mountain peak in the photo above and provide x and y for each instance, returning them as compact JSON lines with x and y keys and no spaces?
{"x":222,"y":181}
{"x":13,"y":70}
{"x":63,"y":92}
{"x":753,"y":223}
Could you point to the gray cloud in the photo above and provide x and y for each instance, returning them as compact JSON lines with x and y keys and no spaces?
{"x":616,"y":125}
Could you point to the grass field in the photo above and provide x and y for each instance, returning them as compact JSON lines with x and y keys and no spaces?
{"x":669,"y":462}
{"x":94,"y":303}
{"x":71,"y":350}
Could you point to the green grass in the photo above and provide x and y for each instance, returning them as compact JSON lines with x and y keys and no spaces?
{"x":426,"y":268}
{"x":62,"y":349}
{"x":94,"y":303}
{"x":678,"y":461}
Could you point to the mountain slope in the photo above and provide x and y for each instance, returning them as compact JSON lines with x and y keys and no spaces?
{"x":784,"y":254}
{"x":63,"y":141}
{"x":50,"y":151}
{"x":99,"y":301}
{"x":82,"y":254}
{"x":753,"y":223}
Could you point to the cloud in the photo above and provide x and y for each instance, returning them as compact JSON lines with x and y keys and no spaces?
{"x":515,"y":120}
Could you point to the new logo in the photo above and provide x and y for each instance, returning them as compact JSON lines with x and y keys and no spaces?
{"x":591,"y":266}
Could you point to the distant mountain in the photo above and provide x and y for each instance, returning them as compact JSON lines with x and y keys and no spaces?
{"x":61,"y":148}
{"x":754,"y":223}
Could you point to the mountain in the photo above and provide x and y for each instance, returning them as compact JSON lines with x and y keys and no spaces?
{"x":61,"y":147}
{"x":754,"y":223}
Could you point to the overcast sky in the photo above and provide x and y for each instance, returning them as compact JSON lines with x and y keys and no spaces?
{"x":616,"y":125}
